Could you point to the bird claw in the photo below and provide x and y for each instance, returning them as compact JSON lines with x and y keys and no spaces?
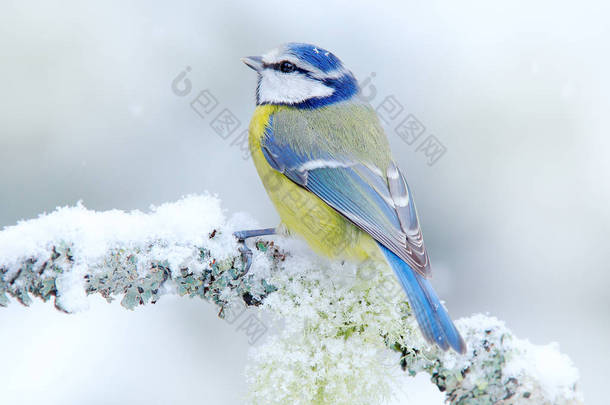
{"x":246,"y":257}
{"x":246,"y":252}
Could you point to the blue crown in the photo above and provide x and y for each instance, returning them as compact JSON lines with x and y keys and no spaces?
{"x":345,"y":85}
{"x":321,"y":58}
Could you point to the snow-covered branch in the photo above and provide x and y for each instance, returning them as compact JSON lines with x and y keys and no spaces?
{"x":346,"y":333}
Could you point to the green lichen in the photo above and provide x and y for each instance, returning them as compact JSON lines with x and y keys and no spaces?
{"x":119,"y":275}
{"x":486,"y":382}
{"x":133,"y":277}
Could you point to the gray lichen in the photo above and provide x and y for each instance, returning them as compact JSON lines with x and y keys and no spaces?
{"x":486,"y":361}
{"x":132,"y":275}
{"x":118,"y":275}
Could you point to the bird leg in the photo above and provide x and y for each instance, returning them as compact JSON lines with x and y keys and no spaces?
{"x":246,"y":252}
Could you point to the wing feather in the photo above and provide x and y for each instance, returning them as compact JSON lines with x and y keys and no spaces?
{"x":377,"y":200}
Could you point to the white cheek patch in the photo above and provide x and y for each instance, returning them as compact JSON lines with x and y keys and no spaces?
{"x":289,"y":88}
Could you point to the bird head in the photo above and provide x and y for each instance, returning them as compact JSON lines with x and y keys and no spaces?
{"x":301,"y":75}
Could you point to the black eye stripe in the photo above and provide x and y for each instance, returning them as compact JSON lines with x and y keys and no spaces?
{"x":278,"y":66}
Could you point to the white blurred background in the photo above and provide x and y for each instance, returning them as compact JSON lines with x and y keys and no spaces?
{"x":515,"y":213}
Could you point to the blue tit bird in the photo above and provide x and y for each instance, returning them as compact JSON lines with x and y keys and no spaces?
{"x":326,"y":164}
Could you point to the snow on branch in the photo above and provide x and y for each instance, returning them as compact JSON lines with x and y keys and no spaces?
{"x":347,"y":335}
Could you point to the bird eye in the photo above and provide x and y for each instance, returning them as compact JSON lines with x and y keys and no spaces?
{"x":287,"y":67}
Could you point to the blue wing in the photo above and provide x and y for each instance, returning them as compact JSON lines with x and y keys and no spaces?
{"x":378,"y":200}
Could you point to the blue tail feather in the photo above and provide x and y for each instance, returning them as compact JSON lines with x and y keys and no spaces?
{"x":433,"y":319}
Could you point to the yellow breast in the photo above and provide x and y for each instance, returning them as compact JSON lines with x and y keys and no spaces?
{"x":302,"y":212}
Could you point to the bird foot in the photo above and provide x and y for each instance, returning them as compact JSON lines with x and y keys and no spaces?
{"x":246,"y":252}
{"x":246,"y":256}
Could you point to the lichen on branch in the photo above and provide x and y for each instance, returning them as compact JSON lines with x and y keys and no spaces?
{"x":347,"y":335}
